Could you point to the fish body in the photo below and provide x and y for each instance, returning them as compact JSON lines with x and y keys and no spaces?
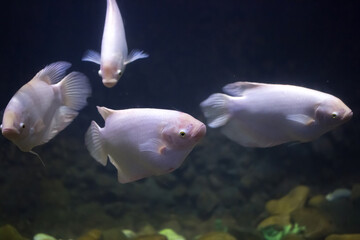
{"x":44,"y":106}
{"x":143,"y":142}
{"x":266,"y":115}
{"x":114,"y":52}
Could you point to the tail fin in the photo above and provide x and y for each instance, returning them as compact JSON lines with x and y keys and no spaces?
{"x":215,"y":109}
{"x":94,"y":143}
{"x":75,"y":89}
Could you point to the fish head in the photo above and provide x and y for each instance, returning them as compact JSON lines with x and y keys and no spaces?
{"x":184,"y":133}
{"x":110,"y":74}
{"x":333,"y":112}
{"x":14,"y":126}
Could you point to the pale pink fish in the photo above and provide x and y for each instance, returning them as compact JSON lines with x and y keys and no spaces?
{"x":114,"y":52}
{"x":265,"y":115}
{"x":44,"y":106}
{"x":143,"y":142}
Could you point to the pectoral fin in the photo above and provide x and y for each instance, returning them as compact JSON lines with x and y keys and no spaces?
{"x":301,"y":118}
{"x":134,"y":55}
{"x":92,"y":56}
{"x":153,"y":145}
{"x":38,"y":126}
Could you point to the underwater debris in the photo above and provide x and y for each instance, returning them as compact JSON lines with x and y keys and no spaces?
{"x":338,"y":193}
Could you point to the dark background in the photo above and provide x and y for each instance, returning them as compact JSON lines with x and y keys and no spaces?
{"x":195,"y":47}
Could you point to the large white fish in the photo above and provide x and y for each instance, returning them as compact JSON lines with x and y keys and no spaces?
{"x":265,"y":115}
{"x":44,"y":106}
{"x":143,"y":142}
{"x":114,"y":52}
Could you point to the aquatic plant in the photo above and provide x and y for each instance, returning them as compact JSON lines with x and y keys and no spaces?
{"x":271,"y":233}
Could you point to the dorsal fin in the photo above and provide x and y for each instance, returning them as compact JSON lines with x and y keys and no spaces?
{"x":105,"y":112}
{"x":239,"y":88}
{"x":53,"y":73}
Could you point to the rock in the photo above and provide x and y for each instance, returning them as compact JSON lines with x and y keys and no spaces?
{"x":115,"y":209}
{"x":54,"y":194}
{"x":171,"y":234}
{"x":317,"y":224}
{"x":113,"y":234}
{"x":230,"y":196}
{"x":92,"y":215}
{"x":293,"y":237}
{"x":257,"y":200}
{"x":343,"y":237}
{"x":8,"y":232}
{"x":206,"y":203}
{"x":215,"y":181}
{"x":245,"y":233}
{"x":217,"y":236}
{"x":317,"y":201}
{"x":151,"y":237}
{"x":43,"y":236}
{"x":277,"y":220}
{"x":180,"y":191}
{"x":295,"y":199}
{"x":167,"y":181}
{"x":93,"y":234}
{"x":172,"y":224}
{"x":147,"y":230}
{"x":102,"y":180}
{"x":249,"y":181}
{"x":130,"y":234}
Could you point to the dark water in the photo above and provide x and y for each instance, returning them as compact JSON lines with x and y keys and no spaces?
{"x":195,"y":48}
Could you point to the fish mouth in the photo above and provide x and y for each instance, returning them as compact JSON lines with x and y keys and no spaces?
{"x":109,"y":82}
{"x":348,"y":116}
{"x":10,"y":133}
{"x":200,"y":132}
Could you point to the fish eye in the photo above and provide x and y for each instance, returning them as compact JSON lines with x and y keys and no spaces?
{"x":182,"y":133}
{"x":334,"y":115}
{"x":22,"y":125}
{"x":100,"y":73}
{"x":119,"y":72}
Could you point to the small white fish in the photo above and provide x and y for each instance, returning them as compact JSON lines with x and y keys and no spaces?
{"x":143,"y":142}
{"x":265,"y":115}
{"x":338,"y":193}
{"x":44,"y":106}
{"x":114,"y":52}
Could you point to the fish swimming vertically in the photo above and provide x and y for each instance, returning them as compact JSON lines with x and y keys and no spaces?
{"x":114,"y":52}
{"x":265,"y":115}
{"x":143,"y":142}
{"x":44,"y":106}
